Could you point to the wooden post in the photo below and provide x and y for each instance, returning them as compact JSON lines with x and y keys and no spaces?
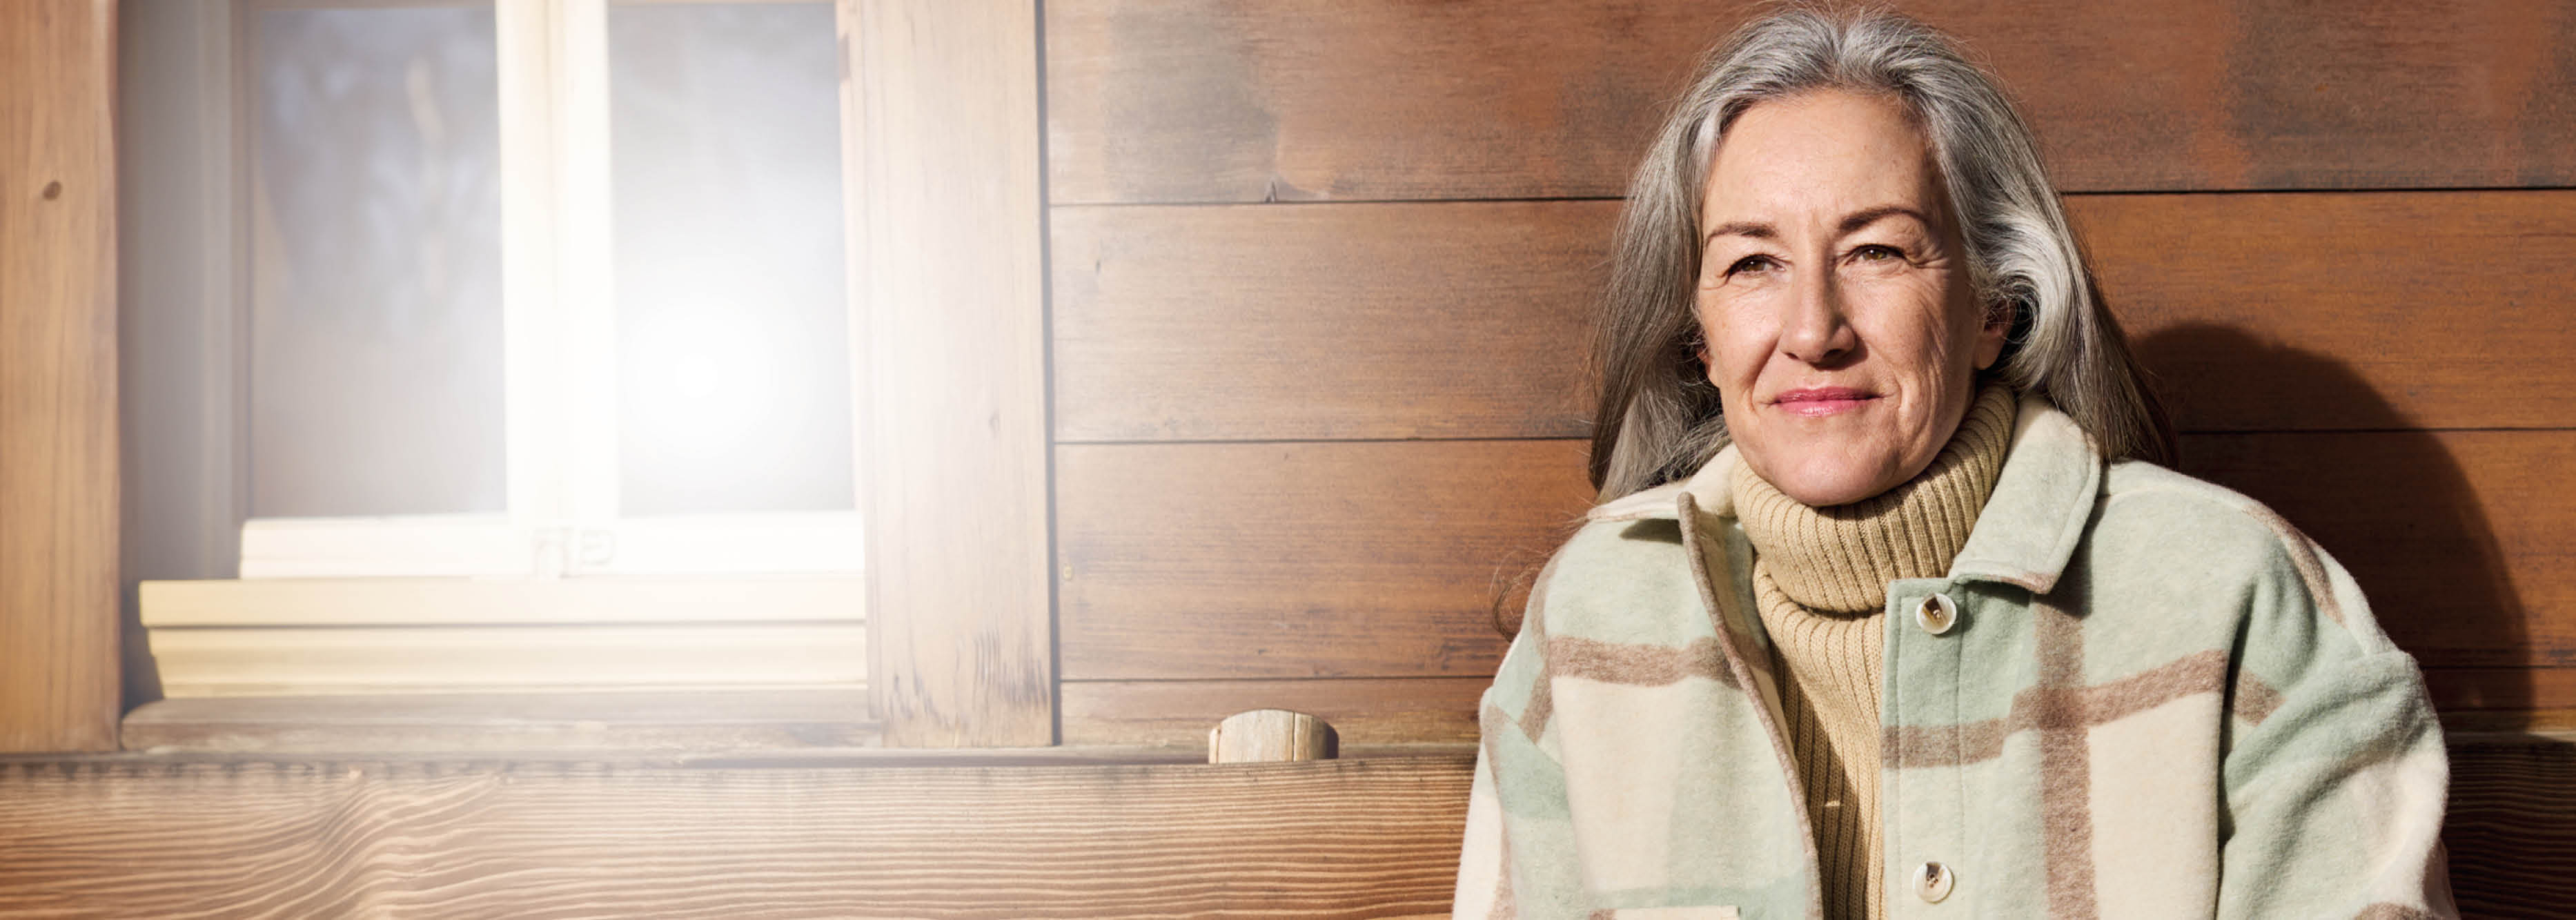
{"x":1271,"y":736}
{"x":940,"y":126}
{"x":58,"y":449}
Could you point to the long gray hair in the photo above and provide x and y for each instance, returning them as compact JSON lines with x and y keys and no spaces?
{"x":1659,"y":418}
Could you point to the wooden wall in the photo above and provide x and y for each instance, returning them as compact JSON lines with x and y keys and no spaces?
{"x":1321,"y":267}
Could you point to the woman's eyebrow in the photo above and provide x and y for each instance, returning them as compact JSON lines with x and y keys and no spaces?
{"x":1850,"y":222}
{"x":1862,"y":218}
{"x":1754,"y":229}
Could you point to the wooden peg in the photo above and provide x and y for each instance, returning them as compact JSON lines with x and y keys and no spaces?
{"x":1271,"y":735}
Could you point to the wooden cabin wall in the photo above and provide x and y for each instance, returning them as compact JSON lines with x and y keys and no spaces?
{"x":1322,"y":268}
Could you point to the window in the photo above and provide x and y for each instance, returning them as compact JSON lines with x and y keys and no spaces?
{"x":573,"y":386}
{"x":559,"y":292}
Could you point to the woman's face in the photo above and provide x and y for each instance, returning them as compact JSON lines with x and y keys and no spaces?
{"x":1840,"y":330}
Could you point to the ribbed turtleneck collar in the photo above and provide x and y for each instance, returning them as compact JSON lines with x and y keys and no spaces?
{"x":1840,"y":559}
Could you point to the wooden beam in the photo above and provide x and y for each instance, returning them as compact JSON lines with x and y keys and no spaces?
{"x":1327,"y":839}
{"x":1228,"y":100}
{"x":940,"y":125}
{"x":199,"y":837}
{"x":58,"y":436}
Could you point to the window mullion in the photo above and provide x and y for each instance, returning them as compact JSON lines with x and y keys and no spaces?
{"x":587,"y":283}
{"x":559,"y":340}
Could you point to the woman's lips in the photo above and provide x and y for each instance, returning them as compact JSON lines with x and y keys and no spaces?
{"x":1821,"y":400}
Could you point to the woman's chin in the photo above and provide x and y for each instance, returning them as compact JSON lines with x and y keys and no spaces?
{"x":1827,"y":494}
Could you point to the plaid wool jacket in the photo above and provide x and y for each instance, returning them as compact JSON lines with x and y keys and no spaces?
{"x":2134,"y":694}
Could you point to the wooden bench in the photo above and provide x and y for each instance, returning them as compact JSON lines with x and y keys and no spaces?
{"x":1062,"y":832}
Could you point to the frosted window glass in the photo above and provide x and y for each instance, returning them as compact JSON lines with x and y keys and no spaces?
{"x":732,"y":320}
{"x":375,"y":243}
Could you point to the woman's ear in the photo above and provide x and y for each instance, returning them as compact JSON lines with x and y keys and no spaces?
{"x":1996,"y":331}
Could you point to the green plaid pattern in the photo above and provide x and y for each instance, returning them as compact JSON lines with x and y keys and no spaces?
{"x":2158,"y":699}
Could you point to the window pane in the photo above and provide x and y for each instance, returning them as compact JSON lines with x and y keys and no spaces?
{"x":375,"y":229}
{"x":733,"y":344}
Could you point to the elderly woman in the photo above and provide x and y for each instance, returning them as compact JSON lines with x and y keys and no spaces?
{"x":1887,"y":610}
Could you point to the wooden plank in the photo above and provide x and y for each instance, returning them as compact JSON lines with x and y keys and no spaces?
{"x":452,"y":724}
{"x":2461,"y":540}
{"x":2506,"y":692}
{"x":2258,"y":312}
{"x":1327,"y":839}
{"x":1178,"y":713}
{"x":58,"y":437}
{"x":940,"y":112}
{"x":1208,"y":561}
{"x":2511,"y":830}
{"x":1364,"y":838}
{"x":471,"y":601}
{"x":1226,"y":100}
{"x":2320,"y":311}
{"x":294,"y":660}
{"x":1362,"y":321}
{"x":1301,"y":560}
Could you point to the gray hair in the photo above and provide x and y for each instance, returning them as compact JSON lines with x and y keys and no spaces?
{"x":1658,"y":417}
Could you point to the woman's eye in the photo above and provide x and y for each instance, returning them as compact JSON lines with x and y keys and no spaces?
{"x":1752,"y":264}
{"x":1877,"y":253}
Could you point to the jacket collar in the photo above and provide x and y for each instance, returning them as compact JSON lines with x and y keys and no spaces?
{"x":2024,"y":536}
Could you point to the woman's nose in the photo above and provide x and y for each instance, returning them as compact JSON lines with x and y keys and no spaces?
{"x":1816,"y":330}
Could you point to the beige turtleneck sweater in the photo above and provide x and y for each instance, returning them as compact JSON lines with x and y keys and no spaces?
{"x":1820,"y":580}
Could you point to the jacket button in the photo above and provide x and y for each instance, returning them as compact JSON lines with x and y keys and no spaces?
{"x":1937,"y":614}
{"x":1932,"y":882}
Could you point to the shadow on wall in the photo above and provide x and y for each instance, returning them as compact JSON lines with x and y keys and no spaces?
{"x":2389,"y":501}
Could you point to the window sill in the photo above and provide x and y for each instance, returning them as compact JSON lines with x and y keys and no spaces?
{"x":482,"y":724}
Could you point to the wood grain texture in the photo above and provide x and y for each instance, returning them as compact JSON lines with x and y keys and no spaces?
{"x":1353,"y":838}
{"x":1301,"y":560}
{"x":1364,"y":711}
{"x":1359,"y":321}
{"x":2358,"y":311}
{"x":940,"y":104}
{"x":1469,"y":319}
{"x":58,"y":417}
{"x":699,"y":721}
{"x":2540,"y":696}
{"x":1231,"y":100}
{"x":1270,"y":736}
{"x":1332,"y":839}
{"x":2511,"y":830}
